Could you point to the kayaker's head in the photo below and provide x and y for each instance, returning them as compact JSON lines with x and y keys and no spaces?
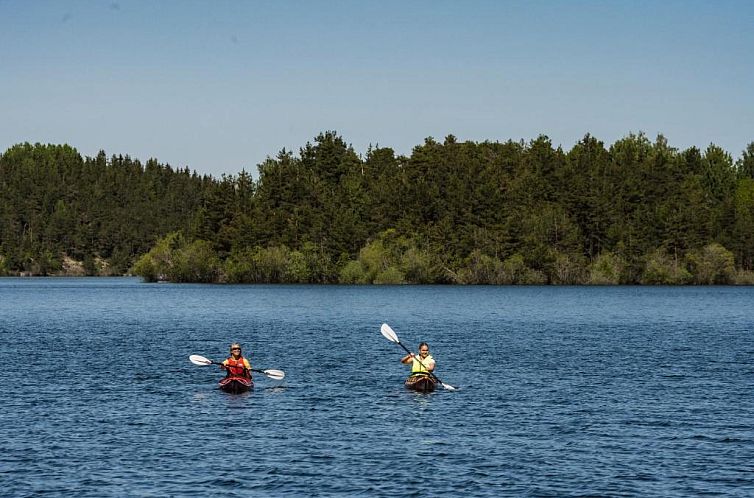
{"x":235,"y":350}
{"x":424,"y":349}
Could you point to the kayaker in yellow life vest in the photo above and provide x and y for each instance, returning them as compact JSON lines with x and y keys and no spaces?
{"x":236,"y":365}
{"x":422,"y":364}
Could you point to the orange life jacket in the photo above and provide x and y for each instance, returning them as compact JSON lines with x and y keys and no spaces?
{"x":237,"y":368}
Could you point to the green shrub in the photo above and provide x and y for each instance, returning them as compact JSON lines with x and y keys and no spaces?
{"x":173,"y":259}
{"x":606,"y":269}
{"x":238,"y":269}
{"x":158,"y":262}
{"x":479,"y":268}
{"x":514,"y":270}
{"x":146,"y":268}
{"x":744,"y":277}
{"x":196,"y":262}
{"x":532,"y":277}
{"x":711,"y":265}
{"x":4,"y":269}
{"x":419,"y":266}
{"x":390,"y":276}
{"x":297,"y":270}
{"x":271,"y":264}
{"x":568,"y":269}
{"x":352,"y":273}
{"x":375,"y":259}
{"x":662,"y":269}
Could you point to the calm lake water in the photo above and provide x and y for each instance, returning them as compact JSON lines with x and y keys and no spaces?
{"x":564,"y":391}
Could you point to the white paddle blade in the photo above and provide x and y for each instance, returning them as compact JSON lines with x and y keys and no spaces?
{"x":389,"y":333}
{"x":448,"y":387}
{"x":274,"y":374}
{"x":199,"y":360}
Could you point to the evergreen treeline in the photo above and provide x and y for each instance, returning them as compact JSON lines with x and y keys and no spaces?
{"x":451,"y":212}
{"x":61,"y":213}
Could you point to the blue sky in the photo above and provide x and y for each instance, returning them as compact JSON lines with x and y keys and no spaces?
{"x":219,"y":85}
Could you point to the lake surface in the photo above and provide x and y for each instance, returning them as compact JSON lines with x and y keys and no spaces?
{"x":564,"y":391}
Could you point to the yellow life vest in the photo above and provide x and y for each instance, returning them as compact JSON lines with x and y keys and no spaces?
{"x":417,"y":367}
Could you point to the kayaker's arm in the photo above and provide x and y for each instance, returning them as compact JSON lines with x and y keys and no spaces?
{"x":407,"y":358}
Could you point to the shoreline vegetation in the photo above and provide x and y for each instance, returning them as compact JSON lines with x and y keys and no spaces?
{"x":499,"y":213}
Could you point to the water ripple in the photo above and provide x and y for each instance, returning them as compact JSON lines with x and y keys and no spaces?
{"x":564,"y":391}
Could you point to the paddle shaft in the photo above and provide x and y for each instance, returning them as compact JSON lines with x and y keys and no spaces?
{"x":213,"y":362}
{"x":202,"y":361}
{"x":249,"y":369}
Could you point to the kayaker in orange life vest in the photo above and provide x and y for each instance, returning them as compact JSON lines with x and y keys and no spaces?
{"x":236,"y":364}
{"x":423,"y":363}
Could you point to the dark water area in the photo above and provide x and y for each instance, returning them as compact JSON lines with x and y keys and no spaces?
{"x":564,"y":391}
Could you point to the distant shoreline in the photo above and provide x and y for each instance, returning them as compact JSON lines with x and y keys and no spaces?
{"x":78,"y":276}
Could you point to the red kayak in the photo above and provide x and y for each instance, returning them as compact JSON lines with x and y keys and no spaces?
{"x":236,"y":385}
{"x":421,"y":383}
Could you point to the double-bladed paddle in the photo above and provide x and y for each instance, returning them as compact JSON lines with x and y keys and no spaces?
{"x":391,"y":336}
{"x":202,"y":361}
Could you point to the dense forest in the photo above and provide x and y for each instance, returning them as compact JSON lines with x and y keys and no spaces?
{"x":451,"y":212}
